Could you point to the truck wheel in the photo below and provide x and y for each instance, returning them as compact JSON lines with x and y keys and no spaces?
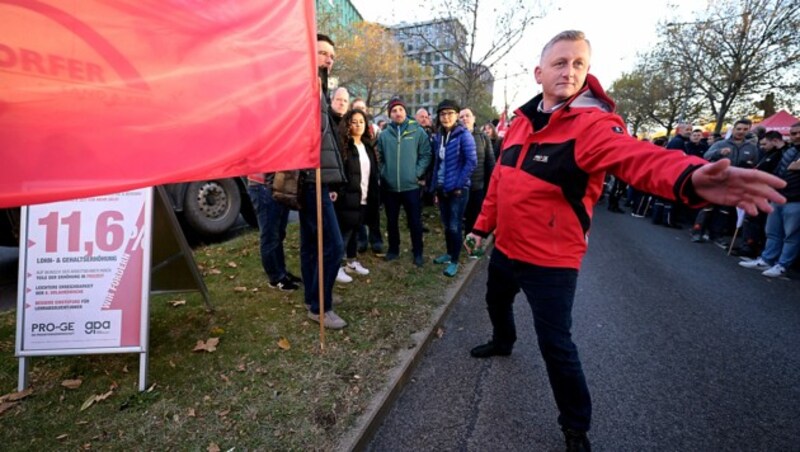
{"x":212,"y":206}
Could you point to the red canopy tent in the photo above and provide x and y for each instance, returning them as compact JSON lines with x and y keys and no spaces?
{"x":780,"y":121}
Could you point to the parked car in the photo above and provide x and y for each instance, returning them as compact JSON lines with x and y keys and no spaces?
{"x":208,"y":208}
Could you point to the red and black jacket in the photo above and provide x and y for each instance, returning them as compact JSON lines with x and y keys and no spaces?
{"x":541,"y":194}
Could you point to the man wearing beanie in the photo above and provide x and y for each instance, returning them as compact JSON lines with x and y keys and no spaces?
{"x":405,"y":154}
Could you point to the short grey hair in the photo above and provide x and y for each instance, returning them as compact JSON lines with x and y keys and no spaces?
{"x":567,"y":35}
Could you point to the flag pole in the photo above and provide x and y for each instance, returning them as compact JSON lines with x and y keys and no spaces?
{"x":320,"y":262}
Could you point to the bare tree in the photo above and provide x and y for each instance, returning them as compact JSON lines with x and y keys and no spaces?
{"x":739,"y":50}
{"x":470,"y":44}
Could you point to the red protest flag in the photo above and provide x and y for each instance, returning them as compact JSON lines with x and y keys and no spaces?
{"x":105,"y":96}
{"x":502,"y":124}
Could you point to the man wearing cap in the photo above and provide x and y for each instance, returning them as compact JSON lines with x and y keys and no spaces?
{"x":539,"y":206}
{"x":405,"y":154}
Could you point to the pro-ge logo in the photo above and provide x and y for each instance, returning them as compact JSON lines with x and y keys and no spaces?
{"x":97,"y":327}
{"x":541,"y":158}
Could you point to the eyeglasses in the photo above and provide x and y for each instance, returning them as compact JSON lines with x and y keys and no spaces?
{"x":447,"y":113}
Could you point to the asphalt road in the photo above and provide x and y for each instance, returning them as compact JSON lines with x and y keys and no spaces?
{"x":682,"y":349}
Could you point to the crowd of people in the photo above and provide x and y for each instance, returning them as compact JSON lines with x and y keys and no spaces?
{"x":367,"y":167}
{"x":769,"y":243}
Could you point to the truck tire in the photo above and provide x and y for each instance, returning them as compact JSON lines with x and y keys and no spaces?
{"x":212,"y":206}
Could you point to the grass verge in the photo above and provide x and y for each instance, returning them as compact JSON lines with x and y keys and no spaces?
{"x":267,"y":386}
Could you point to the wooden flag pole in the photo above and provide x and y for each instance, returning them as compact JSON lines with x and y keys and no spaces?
{"x":320,"y":262}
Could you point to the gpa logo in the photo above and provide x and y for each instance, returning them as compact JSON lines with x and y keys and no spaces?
{"x":97,"y":327}
{"x":617,"y":129}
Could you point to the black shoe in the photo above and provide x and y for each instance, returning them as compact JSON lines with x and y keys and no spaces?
{"x":285,"y":285}
{"x":377,"y":248}
{"x":488,"y":350}
{"x":419,"y":261}
{"x":577,"y":441}
{"x":293,"y":278}
{"x":673,"y":225}
{"x":362,"y":247}
{"x":390,"y":256}
{"x":615,"y":209}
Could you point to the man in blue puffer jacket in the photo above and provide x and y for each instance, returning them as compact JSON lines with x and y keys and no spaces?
{"x":454,"y":161}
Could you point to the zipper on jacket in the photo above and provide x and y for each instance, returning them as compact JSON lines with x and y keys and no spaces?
{"x":399,"y":141}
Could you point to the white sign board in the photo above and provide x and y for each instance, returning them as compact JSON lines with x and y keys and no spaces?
{"x":84,"y":274}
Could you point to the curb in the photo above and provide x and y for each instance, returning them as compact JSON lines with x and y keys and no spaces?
{"x":367,"y":424}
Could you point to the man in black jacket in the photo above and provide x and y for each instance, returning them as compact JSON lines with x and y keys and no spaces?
{"x":331,"y":172}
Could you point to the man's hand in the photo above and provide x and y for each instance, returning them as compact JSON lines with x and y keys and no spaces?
{"x":333,"y":195}
{"x":749,"y":189}
{"x":475,"y":240}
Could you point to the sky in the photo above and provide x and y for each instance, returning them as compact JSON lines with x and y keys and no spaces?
{"x":617,"y":30}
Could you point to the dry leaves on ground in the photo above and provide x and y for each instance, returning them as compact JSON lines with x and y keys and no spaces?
{"x":72,"y":384}
{"x":176,"y":303}
{"x":284,"y":344}
{"x":208,"y":346}
{"x":96,"y":398}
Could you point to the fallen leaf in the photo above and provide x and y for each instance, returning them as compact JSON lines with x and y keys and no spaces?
{"x":62,"y":436}
{"x":101,"y":397}
{"x":240,"y":289}
{"x":439,"y":333}
{"x":213,"y":448}
{"x":72,"y":384}
{"x":87,"y":446}
{"x":15,"y":396}
{"x":208,"y":346}
{"x":217,"y":331}
{"x":150,"y":389}
{"x":191,"y":413}
{"x":89,"y":402}
{"x":232,"y":264}
{"x":125,"y":369}
{"x":176,"y":418}
{"x":81,"y":422}
{"x":172,"y":364}
{"x":241,"y":368}
{"x":5,"y":406}
{"x":254,"y":289}
{"x":225,"y":378}
{"x":223,"y":413}
{"x":284,"y":344}
{"x":176,"y":303}
{"x":215,"y":271}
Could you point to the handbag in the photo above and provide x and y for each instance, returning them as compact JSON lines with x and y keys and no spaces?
{"x":287,"y":188}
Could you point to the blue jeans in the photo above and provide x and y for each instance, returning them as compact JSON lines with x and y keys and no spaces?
{"x":451,"y":211}
{"x":783,"y":234}
{"x":413,"y":207}
{"x":550,"y":293}
{"x":332,"y":247}
{"x":272,"y":220}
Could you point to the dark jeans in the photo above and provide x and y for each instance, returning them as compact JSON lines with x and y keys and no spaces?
{"x":375,"y":237}
{"x":550,"y":293}
{"x":272,"y":220}
{"x":451,"y":211}
{"x":410,"y":201}
{"x":473,"y":209}
{"x":350,"y":235}
{"x":332,"y":248}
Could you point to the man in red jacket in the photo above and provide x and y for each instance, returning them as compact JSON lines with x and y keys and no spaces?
{"x":539,"y":207}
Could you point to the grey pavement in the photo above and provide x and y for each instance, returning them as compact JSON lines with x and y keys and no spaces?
{"x":682,"y":349}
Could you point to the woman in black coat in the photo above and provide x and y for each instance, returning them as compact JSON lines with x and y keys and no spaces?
{"x":358,"y":199}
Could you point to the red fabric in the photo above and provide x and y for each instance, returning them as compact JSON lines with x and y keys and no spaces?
{"x":502,"y":125}
{"x":105,"y":96}
{"x":531,"y":218}
{"x":781,"y":121}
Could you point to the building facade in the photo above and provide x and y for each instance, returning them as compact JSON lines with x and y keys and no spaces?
{"x":338,"y":12}
{"x":420,"y":42}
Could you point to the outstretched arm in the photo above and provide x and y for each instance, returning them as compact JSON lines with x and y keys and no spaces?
{"x":749,"y":189}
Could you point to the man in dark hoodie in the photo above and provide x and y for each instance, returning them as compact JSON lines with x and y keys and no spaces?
{"x":539,"y":206}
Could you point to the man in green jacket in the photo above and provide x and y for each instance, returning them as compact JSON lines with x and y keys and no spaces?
{"x":405,"y":154}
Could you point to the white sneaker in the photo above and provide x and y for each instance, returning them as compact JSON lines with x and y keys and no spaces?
{"x":356,"y":267}
{"x":332,"y":321}
{"x":343,"y":277}
{"x":774,"y":271}
{"x":759,"y":263}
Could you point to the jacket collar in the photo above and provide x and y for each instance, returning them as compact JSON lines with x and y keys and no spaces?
{"x":591,"y":95}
